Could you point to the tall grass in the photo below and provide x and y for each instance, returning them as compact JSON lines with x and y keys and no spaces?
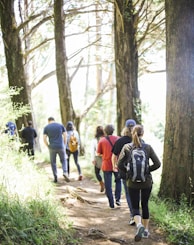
{"x":175,"y":220}
{"x":28,"y":212}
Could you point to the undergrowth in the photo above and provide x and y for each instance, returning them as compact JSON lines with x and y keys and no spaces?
{"x":28,"y":212}
{"x":175,"y":220}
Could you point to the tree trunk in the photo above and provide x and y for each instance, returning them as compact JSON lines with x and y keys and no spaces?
{"x":64,"y":87}
{"x":14,"y":57}
{"x":178,"y":159}
{"x":126,"y":62}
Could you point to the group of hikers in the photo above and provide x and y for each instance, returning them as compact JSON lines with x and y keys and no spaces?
{"x":125,"y":157}
{"x":60,"y":140}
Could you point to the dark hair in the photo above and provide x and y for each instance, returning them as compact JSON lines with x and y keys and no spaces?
{"x":70,"y":126}
{"x":29,"y":123}
{"x":109,"y":129}
{"x":99,"y":132}
{"x":137,"y":132}
{"x":51,"y":119}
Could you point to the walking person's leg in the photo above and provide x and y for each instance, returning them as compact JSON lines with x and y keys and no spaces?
{"x":99,"y":178}
{"x":108,"y":187}
{"x":53,"y":155}
{"x":75,"y":156}
{"x":68,"y":161}
{"x":145,"y":210}
{"x":131,"y":221}
{"x":135,"y":195}
{"x":62,"y":157}
{"x":117,"y":188}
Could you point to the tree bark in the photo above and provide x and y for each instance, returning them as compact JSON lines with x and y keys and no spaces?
{"x":126,"y":62}
{"x":14,"y":57}
{"x":178,"y":159}
{"x":64,"y":87}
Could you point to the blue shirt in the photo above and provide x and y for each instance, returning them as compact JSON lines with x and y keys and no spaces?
{"x":54,"y":131}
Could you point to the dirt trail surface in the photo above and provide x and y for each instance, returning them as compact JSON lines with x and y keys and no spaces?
{"x":94,"y":221}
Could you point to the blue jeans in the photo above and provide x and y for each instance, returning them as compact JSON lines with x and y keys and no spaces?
{"x":127,"y":197}
{"x":53,"y":157}
{"x":108,"y":187}
{"x":75,"y":157}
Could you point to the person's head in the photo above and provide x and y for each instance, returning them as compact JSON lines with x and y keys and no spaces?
{"x":126,"y":132}
{"x":51,"y":119}
{"x":29,"y":123}
{"x":130,"y":123}
{"x":137,"y":133}
{"x":99,"y":132}
{"x":70,"y":126}
{"x":109,"y":129}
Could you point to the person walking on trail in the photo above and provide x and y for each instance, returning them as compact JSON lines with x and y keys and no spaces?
{"x":72,"y":148}
{"x":126,"y":138}
{"x":105,"y":149}
{"x":11,"y":130}
{"x":97,"y":159}
{"x":55,"y":137}
{"x":143,"y":186}
{"x":28,"y":137}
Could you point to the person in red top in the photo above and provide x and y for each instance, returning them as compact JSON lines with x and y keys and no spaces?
{"x":105,"y":149}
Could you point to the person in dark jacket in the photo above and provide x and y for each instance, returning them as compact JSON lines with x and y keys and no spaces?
{"x":140,"y":189}
{"x":28,"y":136}
{"x":126,"y":138}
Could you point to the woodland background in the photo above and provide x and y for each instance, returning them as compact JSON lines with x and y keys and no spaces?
{"x":99,"y":62}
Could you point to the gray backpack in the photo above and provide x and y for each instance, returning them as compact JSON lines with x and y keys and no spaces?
{"x":138,"y":166}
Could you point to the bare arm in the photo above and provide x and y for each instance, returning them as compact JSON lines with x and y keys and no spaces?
{"x":114,"y":162}
{"x":65,"y":137}
{"x":45,"y":140}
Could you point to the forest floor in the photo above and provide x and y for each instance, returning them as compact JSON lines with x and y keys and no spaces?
{"x":95,"y":223}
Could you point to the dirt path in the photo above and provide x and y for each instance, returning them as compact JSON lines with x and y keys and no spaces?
{"x":95,"y":223}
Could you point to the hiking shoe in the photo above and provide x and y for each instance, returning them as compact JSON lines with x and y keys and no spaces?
{"x":55,"y":180}
{"x":140,"y":231}
{"x":118,"y":203}
{"x":145,"y":234}
{"x":80,"y":178}
{"x":131,"y":221}
{"x":66,"y":177}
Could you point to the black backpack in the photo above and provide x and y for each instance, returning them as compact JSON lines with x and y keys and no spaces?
{"x":138,"y":166}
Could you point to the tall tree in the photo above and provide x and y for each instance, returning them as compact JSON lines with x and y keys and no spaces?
{"x":126,"y":62}
{"x":135,"y":22}
{"x":14,"y":57}
{"x":178,"y":159}
{"x":66,"y":107}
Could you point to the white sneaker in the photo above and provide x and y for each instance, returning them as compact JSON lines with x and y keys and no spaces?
{"x":145,"y":234}
{"x":131,"y":221}
{"x":140,"y":231}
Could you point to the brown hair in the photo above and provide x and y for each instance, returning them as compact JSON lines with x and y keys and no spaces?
{"x":137,"y":133}
{"x":109,"y":129}
{"x":99,"y":132}
{"x":126,"y":131}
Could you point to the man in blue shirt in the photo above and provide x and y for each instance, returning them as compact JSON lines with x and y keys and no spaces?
{"x":55,"y":137}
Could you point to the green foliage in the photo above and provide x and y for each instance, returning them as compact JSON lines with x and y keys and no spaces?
{"x":8,"y":110}
{"x":176,"y":221}
{"x":28,"y":212}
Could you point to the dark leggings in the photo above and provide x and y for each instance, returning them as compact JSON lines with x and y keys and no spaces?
{"x":97,"y":173}
{"x":75,"y":157}
{"x":142,"y":195}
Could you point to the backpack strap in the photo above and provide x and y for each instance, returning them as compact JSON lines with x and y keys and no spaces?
{"x":109,"y":140}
